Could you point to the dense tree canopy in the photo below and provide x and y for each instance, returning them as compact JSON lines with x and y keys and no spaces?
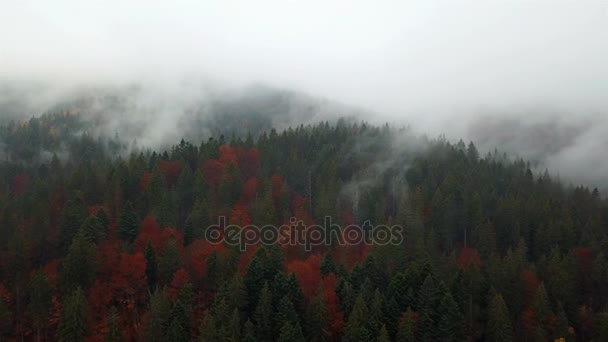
{"x":100,"y":242}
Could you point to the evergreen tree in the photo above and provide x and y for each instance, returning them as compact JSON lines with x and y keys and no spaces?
{"x":383,"y":335}
{"x":499,"y":328}
{"x":451,"y":322}
{"x":263,"y":314}
{"x":169,"y":262}
{"x":158,"y":316}
{"x":427,"y":305}
{"x":327,"y":265}
{"x":73,"y":324}
{"x":128,"y":225}
{"x":40,"y":296}
{"x":356,"y":329}
{"x":114,"y":333}
{"x":291,"y":333}
{"x":316,"y":319}
{"x":151,"y":265}
{"x":248,"y":332}
{"x":78,"y":267}
{"x":407,"y":327}
{"x":73,"y":214}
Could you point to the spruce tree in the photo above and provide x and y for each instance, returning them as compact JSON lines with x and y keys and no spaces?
{"x":291,"y":333}
{"x":128,"y":225}
{"x":114,"y":333}
{"x":151,"y":265}
{"x":73,"y":325}
{"x":499,"y":328}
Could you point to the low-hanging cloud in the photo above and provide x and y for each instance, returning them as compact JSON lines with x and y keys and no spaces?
{"x":527,"y":77}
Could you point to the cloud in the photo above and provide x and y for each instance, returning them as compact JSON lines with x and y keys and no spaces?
{"x":536,"y":69}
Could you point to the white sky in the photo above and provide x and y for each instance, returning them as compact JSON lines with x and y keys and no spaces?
{"x":395,"y":57}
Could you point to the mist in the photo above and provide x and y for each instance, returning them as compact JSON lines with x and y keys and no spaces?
{"x":525,"y":77}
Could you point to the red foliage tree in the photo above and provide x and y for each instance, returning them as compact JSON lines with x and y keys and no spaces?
{"x":228,"y":155}
{"x":250,"y":189}
{"x":584,"y":257}
{"x":334,"y":315}
{"x":180,"y":278}
{"x":469,"y":256}
{"x":213,"y":172}
{"x":531,"y":283}
{"x":144,"y":182}
{"x":171,"y":169}
{"x":250,"y":162}
{"x":308,"y":274}
{"x":20,"y":182}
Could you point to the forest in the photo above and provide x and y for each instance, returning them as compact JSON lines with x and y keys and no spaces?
{"x":101,"y":241}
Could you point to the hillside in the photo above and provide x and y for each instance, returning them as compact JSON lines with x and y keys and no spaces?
{"x":106,"y":239}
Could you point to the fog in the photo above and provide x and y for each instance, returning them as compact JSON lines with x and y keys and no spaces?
{"x":527,"y":77}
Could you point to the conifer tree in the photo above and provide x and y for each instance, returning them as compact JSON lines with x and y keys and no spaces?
{"x":499,"y":328}
{"x":73,"y":325}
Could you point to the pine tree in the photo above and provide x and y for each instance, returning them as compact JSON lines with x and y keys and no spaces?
{"x":73,"y":325}
{"x":169,"y":262}
{"x":383,"y":335}
{"x":316,"y":319}
{"x":356,"y":327}
{"x":40,"y":300}
{"x":451,"y":322}
{"x":151,"y":265}
{"x":213,"y":271}
{"x":407,"y":327}
{"x":263,"y":314}
{"x":499,"y":328}
{"x":291,"y":333}
{"x":93,"y":229}
{"x":74,"y":213}
{"x":114,"y":333}
{"x":208,"y":329}
{"x":128,"y":225}
{"x":103,"y":218}
{"x":6,"y":319}
{"x":158,"y":316}
{"x":427,"y":305}
{"x":179,"y":328}
{"x":328,"y":265}
{"x":286,"y":313}
{"x":248,"y":332}
{"x":78,"y":267}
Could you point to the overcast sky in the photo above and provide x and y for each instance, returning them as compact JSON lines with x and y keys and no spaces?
{"x":392,"y":56}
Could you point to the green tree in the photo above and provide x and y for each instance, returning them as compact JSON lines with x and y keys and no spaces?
{"x":356,"y":329}
{"x":169,"y":262}
{"x":78,"y":267}
{"x":263,"y":314}
{"x":73,"y":324}
{"x":159,"y":316}
{"x":40,"y":300}
{"x":407,"y":327}
{"x":114,"y":333}
{"x":291,"y":333}
{"x":383,"y":335}
{"x":451,"y":322}
{"x":151,"y":265}
{"x":128,"y":224}
{"x":499,"y":328}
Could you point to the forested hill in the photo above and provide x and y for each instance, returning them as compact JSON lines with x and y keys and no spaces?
{"x":104,"y":241}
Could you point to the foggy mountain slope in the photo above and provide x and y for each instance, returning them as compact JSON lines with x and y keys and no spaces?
{"x":569,"y":146}
{"x":153,"y":116}
{"x":158,"y":115}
